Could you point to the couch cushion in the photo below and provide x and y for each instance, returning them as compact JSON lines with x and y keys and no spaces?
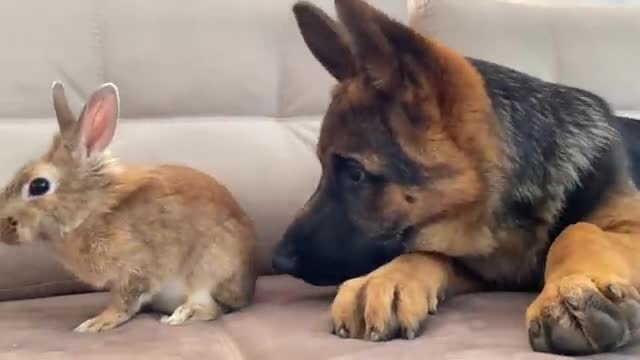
{"x":630,"y":114}
{"x":587,"y":44}
{"x":290,"y":320}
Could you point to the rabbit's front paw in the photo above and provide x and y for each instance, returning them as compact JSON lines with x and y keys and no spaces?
{"x":179,"y":316}
{"x":203,"y":311}
{"x":107,"y":320}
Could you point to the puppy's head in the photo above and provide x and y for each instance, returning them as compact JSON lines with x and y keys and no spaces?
{"x":396,"y":154}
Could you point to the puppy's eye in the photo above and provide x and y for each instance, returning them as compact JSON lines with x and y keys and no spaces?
{"x":39,"y":186}
{"x":350,"y":170}
{"x":355,"y":174}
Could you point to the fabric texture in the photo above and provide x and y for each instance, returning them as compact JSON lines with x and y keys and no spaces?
{"x":290,"y":320}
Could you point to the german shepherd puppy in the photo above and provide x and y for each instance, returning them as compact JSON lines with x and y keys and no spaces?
{"x":443,"y":174}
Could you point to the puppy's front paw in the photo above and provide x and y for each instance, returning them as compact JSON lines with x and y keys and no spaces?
{"x":382,"y":306}
{"x":581,"y":314}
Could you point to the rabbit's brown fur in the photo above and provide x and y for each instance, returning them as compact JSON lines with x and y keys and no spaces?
{"x":169,"y":236}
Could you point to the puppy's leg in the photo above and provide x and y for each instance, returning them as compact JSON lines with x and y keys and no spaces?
{"x":127,"y":299}
{"x":396,"y":298}
{"x":590,"y":301}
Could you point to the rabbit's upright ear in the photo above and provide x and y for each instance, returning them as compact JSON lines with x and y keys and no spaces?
{"x":66,"y":119}
{"x":99,"y":120}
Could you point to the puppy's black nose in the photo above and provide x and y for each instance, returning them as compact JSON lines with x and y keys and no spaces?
{"x":284,"y":261}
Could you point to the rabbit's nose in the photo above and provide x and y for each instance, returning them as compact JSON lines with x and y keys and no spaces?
{"x":8,"y":230}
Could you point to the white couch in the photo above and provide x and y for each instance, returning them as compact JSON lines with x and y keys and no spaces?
{"x":590,"y":44}
{"x":230,"y":88}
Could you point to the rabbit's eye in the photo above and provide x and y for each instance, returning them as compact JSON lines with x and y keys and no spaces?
{"x":39,"y":186}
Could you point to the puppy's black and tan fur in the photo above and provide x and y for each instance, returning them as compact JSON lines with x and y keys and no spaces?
{"x":443,"y":174}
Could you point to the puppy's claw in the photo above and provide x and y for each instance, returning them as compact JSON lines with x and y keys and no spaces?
{"x":572,"y":302}
{"x":534,"y":328}
{"x":374,"y":335}
{"x":409,"y":334}
{"x":342,"y":332}
{"x":615,"y":292}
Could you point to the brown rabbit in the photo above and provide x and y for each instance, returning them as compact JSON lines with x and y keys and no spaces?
{"x":170,"y":237}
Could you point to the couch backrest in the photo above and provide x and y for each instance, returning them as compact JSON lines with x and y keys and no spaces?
{"x":591,"y":44}
{"x":226,"y":86}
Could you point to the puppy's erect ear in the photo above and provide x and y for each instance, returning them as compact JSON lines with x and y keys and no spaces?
{"x":99,"y":119}
{"x":381,"y":44}
{"x":66,"y":119}
{"x":326,"y":40}
{"x":372,"y":49}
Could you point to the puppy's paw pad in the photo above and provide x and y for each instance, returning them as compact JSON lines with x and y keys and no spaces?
{"x":583,"y":315}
